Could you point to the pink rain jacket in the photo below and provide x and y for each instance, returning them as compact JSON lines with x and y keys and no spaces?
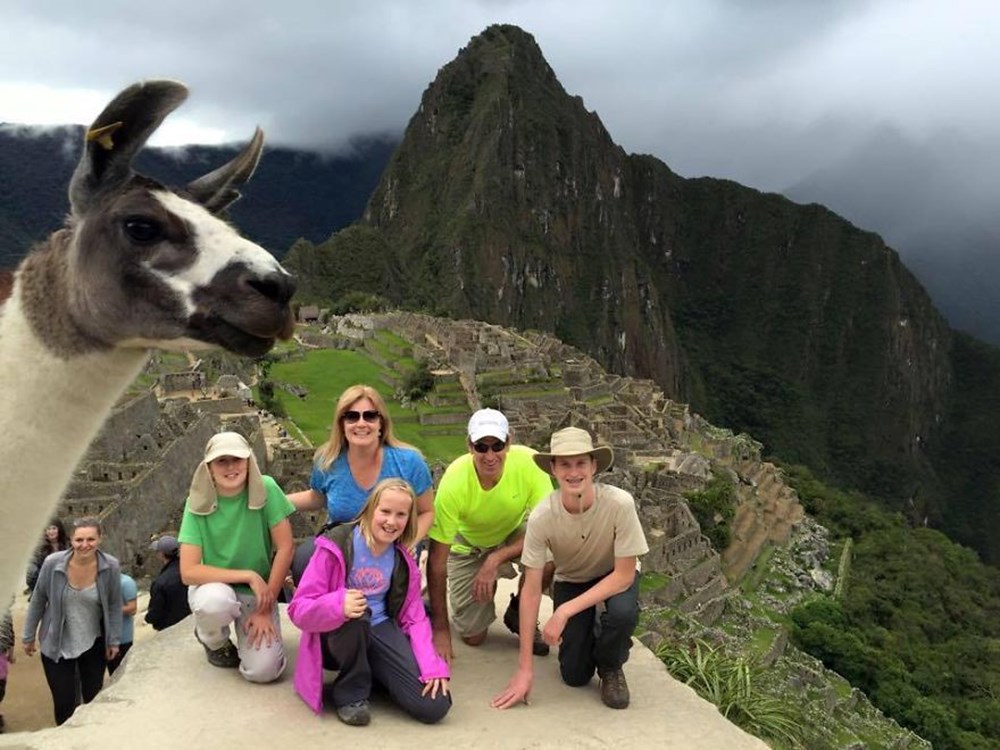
{"x":318,"y":607}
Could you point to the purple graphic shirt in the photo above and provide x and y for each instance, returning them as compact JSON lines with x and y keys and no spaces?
{"x":370,"y":574}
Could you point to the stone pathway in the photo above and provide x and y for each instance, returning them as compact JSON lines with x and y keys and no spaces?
{"x":169,"y":697}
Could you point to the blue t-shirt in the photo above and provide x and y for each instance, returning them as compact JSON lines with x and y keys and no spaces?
{"x":344,"y":498}
{"x":370,"y":574}
{"x":129,"y":594}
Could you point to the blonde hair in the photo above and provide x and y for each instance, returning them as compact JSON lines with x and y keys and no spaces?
{"x":327,"y":453}
{"x":364,"y":518}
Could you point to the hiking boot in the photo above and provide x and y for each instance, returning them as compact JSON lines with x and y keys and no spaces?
{"x":226,"y":656}
{"x":355,"y":714}
{"x":512,"y":619}
{"x":614,"y":689}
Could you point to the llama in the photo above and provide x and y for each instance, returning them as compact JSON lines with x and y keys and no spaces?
{"x":137,"y":266}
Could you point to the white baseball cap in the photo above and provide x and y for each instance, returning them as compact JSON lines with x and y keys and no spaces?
{"x":488,"y":423}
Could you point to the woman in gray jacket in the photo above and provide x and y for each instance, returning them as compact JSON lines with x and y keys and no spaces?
{"x":78,"y":602}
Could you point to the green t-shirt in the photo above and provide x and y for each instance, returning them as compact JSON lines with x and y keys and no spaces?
{"x":235,"y":537}
{"x":485,"y":518}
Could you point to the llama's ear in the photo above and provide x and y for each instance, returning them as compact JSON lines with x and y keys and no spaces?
{"x":117,"y":135}
{"x":219,"y":188}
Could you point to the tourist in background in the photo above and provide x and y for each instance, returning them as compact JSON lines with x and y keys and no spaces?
{"x":53,"y":540}
{"x":76,"y":609}
{"x":482,"y":502}
{"x":6,"y":653}
{"x":168,"y":596}
{"x":235,"y":549}
{"x":130,"y":598}
{"x":359,"y":608}
{"x":361,"y":451}
{"x":592,"y":533}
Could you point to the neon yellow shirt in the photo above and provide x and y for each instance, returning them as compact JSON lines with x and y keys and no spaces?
{"x":484,"y":518}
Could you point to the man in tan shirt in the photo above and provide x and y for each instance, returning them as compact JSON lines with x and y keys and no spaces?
{"x":593,"y":533}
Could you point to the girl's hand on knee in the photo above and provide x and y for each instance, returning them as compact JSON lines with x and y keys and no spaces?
{"x":433,"y":686}
{"x":355,"y":604}
{"x":260,"y":631}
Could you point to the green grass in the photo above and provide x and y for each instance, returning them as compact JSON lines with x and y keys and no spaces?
{"x":649,"y":582}
{"x":759,"y":571}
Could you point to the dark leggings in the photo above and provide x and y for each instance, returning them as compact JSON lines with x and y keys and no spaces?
{"x":119,"y":658}
{"x":70,"y":679}
{"x":367,"y":655}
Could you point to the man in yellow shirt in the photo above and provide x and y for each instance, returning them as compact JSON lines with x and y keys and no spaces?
{"x":480,"y":509}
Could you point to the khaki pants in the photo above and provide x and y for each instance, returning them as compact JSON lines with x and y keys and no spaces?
{"x":469,"y":616}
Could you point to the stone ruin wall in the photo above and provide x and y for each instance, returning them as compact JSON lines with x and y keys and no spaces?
{"x":662,"y":449}
{"x":136,"y":473}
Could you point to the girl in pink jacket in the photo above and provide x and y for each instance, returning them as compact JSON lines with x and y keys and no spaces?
{"x":359,"y":608}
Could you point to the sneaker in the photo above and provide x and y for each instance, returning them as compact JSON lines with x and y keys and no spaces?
{"x":226,"y":656}
{"x":512,"y":619}
{"x":355,"y":714}
{"x":614,"y":688}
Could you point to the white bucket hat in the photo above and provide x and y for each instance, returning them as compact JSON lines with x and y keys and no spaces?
{"x":572,"y":441}
{"x":202,"y":496}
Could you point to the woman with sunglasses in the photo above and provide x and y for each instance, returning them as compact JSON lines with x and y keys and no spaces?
{"x":361,"y":451}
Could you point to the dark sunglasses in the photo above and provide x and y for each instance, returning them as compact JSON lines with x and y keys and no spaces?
{"x":369,"y":415}
{"x":486,"y":447}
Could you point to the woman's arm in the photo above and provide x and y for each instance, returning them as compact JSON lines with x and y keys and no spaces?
{"x":36,"y":607}
{"x":425,"y":513}
{"x":114,"y":582}
{"x":307,"y":500}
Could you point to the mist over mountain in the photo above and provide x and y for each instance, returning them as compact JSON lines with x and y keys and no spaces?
{"x":292,"y":194}
{"x":935,"y":203}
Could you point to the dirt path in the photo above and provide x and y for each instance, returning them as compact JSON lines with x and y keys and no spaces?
{"x":28,"y":704}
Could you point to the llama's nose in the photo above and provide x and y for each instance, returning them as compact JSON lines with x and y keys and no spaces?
{"x":275,"y":286}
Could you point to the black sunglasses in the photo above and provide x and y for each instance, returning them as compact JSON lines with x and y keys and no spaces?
{"x":486,"y":447}
{"x":353,"y":415}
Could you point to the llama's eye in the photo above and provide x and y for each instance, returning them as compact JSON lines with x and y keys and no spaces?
{"x":142,"y":230}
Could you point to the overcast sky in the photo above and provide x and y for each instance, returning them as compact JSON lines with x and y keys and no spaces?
{"x":887,"y":111}
{"x":762,"y":91}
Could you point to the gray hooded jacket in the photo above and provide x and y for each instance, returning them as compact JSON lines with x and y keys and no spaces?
{"x":47,"y":602}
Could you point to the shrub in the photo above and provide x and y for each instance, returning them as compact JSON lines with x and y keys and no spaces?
{"x":418,"y":382}
{"x":732,"y":685}
{"x":714,"y":507}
